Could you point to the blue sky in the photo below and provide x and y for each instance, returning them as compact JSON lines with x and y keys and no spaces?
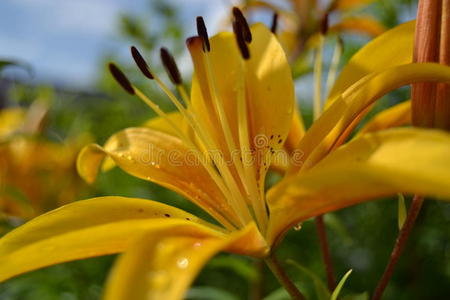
{"x":63,"y":40}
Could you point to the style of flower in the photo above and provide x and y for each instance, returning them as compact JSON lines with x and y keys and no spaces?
{"x":217,"y":151}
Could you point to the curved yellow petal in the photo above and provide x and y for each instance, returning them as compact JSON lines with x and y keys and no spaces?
{"x":392,"y":48}
{"x":88,"y":228}
{"x":160,"y":124}
{"x":402,"y":160}
{"x":156,"y":123}
{"x":397,"y":115}
{"x":333,"y":124}
{"x":296,"y":132}
{"x":161,"y":158}
{"x":361,"y":24}
{"x":264,"y":82}
{"x":162,"y":264}
{"x":270,"y":86}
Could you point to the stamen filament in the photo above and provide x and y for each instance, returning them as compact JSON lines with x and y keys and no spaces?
{"x":258,"y":203}
{"x":216,"y":178}
{"x":224,"y":122}
{"x":334,"y":64}
{"x":184,"y":95}
{"x":317,"y":109}
{"x":240,"y":207}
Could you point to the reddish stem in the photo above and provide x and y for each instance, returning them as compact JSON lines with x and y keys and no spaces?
{"x":325,"y":252}
{"x":402,"y":238}
{"x":276,"y":268}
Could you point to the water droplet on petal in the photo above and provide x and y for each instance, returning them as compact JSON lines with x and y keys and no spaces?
{"x":183,"y":263}
{"x":298,"y":226}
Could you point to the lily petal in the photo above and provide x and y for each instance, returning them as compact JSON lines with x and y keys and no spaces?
{"x":161,"y":158}
{"x":268,"y":88}
{"x":162,"y":264}
{"x":335,"y":121}
{"x":160,"y":124}
{"x":376,"y":56}
{"x":362,"y":24}
{"x":10,"y":120}
{"x":83,"y":229}
{"x":397,"y":115}
{"x":402,"y":160}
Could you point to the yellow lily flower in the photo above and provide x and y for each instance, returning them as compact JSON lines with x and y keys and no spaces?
{"x":302,"y":21}
{"x":36,"y":175}
{"x":239,"y":114}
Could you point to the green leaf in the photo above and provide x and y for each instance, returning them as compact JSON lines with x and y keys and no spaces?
{"x":359,"y":296}
{"x":401,"y":211}
{"x":6,"y":63}
{"x":333,"y":222}
{"x":238,"y":265}
{"x":319,"y":285}
{"x":278,"y":294}
{"x":341,"y":283}
{"x":208,"y":292}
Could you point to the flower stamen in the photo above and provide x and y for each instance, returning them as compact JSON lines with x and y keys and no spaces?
{"x":238,"y":30}
{"x":274,"y":25}
{"x":171,"y":66}
{"x":227,"y":220}
{"x":121,"y":79}
{"x":239,"y":17}
{"x":203,"y":33}
{"x":141,"y":63}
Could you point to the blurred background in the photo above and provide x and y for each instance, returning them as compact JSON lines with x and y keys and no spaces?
{"x":56,"y":96}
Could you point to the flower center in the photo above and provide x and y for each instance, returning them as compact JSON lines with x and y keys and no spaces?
{"x":232,"y":160}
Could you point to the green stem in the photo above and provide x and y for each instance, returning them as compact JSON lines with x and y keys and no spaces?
{"x":402,"y":238}
{"x":256,"y":286}
{"x":274,"y":265}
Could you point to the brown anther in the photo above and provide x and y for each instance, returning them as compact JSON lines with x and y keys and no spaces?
{"x":203,"y":33}
{"x":239,"y":17}
{"x":324,"y":24}
{"x":121,"y":79}
{"x":238,"y":33}
{"x":141,"y":63}
{"x":274,"y":25}
{"x":171,"y":66}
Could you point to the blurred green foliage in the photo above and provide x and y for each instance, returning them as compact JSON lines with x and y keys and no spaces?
{"x":360,"y":237}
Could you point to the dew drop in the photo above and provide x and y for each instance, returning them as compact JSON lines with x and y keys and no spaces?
{"x":298,"y":226}
{"x":183,"y":263}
